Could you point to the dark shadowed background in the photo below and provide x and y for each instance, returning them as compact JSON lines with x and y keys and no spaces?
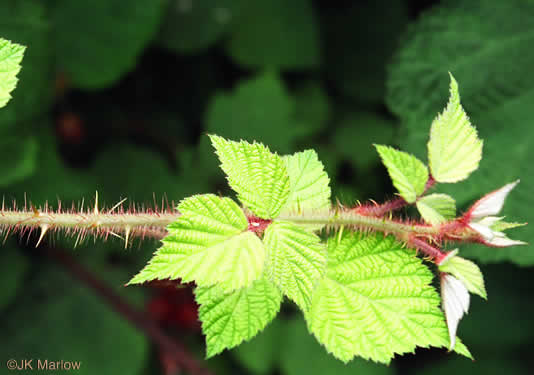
{"x":117,"y":96}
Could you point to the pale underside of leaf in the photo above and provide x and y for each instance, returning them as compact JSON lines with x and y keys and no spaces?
{"x":296,"y":259}
{"x":437,"y":208}
{"x":376,"y":301}
{"x":467,"y":272}
{"x":231,"y":318}
{"x":258,"y":176}
{"x":10,"y":58}
{"x":454,"y":149}
{"x":455,"y":302}
{"x":409,"y":174}
{"x":208,"y":244}
{"x":492,"y":203}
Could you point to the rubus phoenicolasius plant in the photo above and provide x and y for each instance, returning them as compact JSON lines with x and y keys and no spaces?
{"x":362,"y":276}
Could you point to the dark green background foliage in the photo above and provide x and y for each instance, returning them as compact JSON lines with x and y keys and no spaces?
{"x":117,"y":96}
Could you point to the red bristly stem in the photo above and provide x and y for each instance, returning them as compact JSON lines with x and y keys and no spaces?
{"x":153,"y":223}
{"x":379,"y":210}
{"x":427,"y":249}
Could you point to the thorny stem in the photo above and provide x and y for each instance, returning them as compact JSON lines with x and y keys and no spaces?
{"x":430,"y":251}
{"x":379,"y":210}
{"x":87,"y":220}
{"x":154,"y":224}
{"x":100,"y":224}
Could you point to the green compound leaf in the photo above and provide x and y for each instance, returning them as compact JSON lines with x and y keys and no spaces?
{"x":229,"y":319}
{"x":208,"y":244}
{"x":308,"y":181}
{"x":257,"y":175}
{"x":437,"y":208}
{"x":454,"y":149}
{"x":10,"y":59}
{"x":465,"y":271}
{"x":409,"y":174}
{"x":376,"y":300}
{"x":295,"y":260}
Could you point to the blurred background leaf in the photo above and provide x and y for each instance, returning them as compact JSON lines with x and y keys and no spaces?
{"x":98,"y":41}
{"x":14,"y":275}
{"x":359,"y":41}
{"x":287,"y":32}
{"x":258,"y":109}
{"x":262,"y":354}
{"x":71,"y":323}
{"x":27,"y":23}
{"x":190,"y":27}
{"x":302,"y":354}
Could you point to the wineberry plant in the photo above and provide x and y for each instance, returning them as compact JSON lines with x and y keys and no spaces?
{"x":363,"y":275}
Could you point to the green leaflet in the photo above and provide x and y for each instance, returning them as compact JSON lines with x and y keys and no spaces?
{"x":409,"y":174}
{"x":10,"y":59}
{"x":501,"y":226}
{"x":229,"y":319}
{"x":208,"y":244}
{"x":257,"y":175}
{"x":465,"y":271}
{"x":454,"y":149}
{"x":308,"y":181}
{"x":295,"y":260}
{"x":437,"y":208}
{"x":376,"y":300}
